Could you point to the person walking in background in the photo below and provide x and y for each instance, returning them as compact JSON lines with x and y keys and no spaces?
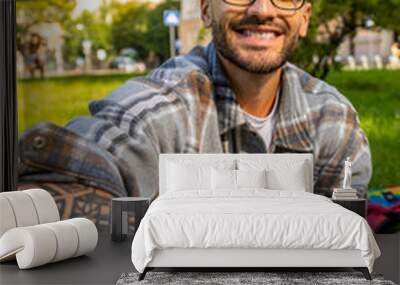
{"x":34,"y":54}
{"x":394,"y":59}
{"x":395,"y":48}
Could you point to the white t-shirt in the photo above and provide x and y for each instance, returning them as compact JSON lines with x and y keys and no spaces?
{"x":264,"y":126}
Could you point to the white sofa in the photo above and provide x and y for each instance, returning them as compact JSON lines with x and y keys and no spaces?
{"x":31,"y":231}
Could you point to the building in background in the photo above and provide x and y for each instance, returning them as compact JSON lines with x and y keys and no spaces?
{"x":191,"y":30}
{"x":368,"y":43}
{"x":92,"y":5}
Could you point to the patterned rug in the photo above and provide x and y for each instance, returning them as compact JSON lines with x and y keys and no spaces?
{"x":243,"y":278}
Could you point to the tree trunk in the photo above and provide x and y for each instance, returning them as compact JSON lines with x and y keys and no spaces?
{"x":352,"y":36}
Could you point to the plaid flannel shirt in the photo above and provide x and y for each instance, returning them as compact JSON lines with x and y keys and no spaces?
{"x":187,"y":106}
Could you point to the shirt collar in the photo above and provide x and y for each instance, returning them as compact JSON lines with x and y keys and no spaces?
{"x":229,"y":115}
{"x":269,"y":116}
{"x":291,"y":102}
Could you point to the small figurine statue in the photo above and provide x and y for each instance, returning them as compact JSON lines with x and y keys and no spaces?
{"x":347,"y":174}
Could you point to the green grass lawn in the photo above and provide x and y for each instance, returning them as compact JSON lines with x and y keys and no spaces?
{"x":375,"y":94}
{"x":59,"y":100}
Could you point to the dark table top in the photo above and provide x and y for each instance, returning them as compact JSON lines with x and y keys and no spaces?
{"x":102,"y":266}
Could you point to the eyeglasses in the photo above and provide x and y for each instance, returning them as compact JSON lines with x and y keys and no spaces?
{"x":287,"y":5}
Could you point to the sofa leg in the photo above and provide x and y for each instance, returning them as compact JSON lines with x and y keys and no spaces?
{"x":142,"y":275}
{"x":365,"y":272}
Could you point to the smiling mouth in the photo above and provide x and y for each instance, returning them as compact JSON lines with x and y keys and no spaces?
{"x":258,"y":34}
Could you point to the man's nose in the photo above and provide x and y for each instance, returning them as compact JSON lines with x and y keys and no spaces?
{"x":263,"y":9}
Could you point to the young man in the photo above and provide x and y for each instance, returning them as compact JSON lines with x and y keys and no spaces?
{"x":238,"y":94}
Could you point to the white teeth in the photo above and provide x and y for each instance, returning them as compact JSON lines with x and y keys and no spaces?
{"x":258,"y":34}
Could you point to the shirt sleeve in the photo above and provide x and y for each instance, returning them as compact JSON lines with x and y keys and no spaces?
{"x":144,"y":118}
{"x":120,"y":143}
{"x":134,"y":136}
{"x":339,"y":136}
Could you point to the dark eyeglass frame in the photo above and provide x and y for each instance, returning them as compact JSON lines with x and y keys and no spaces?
{"x":251,"y":2}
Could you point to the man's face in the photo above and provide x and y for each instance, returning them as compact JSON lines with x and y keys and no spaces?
{"x":257,"y":38}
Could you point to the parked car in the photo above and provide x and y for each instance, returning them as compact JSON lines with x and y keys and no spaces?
{"x":129,"y":52}
{"x":127,"y":64}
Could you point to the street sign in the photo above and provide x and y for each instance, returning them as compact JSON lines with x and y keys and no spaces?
{"x":171,"y":18}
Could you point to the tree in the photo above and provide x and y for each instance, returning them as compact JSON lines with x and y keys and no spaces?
{"x":89,"y":25}
{"x":31,"y":12}
{"x":387,"y":15}
{"x":129,"y":27}
{"x":157,"y":36}
{"x":140,"y":26}
{"x":334,"y":21}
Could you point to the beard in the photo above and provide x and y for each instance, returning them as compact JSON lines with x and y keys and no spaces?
{"x":258,"y":60}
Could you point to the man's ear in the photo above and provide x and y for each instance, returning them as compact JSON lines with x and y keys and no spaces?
{"x":206,"y":12}
{"x":305,"y":19}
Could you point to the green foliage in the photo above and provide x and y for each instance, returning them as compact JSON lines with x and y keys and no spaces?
{"x":386,"y":14}
{"x":340,"y":20}
{"x":31,"y":12}
{"x":140,"y":26}
{"x":130,"y":26}
{"x":201,"y":36}
{"x":157,"y":37}
{"x":89,"y":25}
